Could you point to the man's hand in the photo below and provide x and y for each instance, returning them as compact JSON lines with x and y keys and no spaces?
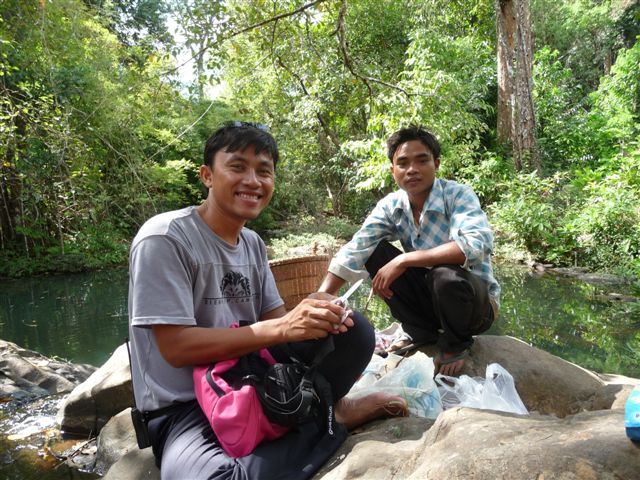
{"x":381,"y":283}
{"x":348,"y":322}
{"x":313,"y":318}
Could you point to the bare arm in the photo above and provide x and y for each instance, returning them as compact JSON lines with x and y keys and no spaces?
{"x":446,"y":254}
{"x":187,"y":345}
{"x":331,"y":284}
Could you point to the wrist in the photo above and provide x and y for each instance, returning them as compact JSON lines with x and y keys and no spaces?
{"x":403,"y":260}
{"x":272,"y":331}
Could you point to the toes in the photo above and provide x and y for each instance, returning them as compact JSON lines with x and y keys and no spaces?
{"x":398,"y":345}
{"x":449,"y":369}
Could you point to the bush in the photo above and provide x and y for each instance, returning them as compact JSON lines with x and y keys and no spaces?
{"x":487,"y":177}
{"x":529,"y":214}
{"x":293,"y":245}
{"x":605,"y":225}
{"x":593,"y":220}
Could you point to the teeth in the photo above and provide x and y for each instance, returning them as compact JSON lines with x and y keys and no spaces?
{"x":248,"y":196}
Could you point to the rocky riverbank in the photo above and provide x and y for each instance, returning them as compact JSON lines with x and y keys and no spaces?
{"x":575,"y":429}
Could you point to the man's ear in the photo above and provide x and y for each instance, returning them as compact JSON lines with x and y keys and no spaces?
{"x":206,"y":175}
{"x":436,"y":162}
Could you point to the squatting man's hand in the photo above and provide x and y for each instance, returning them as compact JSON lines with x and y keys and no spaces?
{"x":381,"y":283}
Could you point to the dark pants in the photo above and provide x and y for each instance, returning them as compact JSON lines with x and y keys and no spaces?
{"x":185,"y":446}
{"x":446,"y":304}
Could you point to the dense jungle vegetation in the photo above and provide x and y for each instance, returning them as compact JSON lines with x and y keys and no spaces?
{"x":105,"y":106}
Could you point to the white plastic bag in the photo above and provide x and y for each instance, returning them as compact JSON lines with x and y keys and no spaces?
{"x":412,"y":379}
{"x":495,"y":392}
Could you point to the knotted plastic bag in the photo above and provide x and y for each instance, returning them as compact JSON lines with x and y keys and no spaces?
{"x":412,"y":379}
{"x":495,"y":392}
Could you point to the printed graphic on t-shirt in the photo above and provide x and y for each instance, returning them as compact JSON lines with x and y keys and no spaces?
{"x":234,"y":288}
{"x":234,"y":284}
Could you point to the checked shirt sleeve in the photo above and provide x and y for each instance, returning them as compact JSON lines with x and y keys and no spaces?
{"x":470,"y":228}
{"x":349,"y":262}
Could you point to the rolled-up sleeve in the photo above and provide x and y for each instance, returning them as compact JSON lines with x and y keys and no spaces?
{"x":349,"y":262}
{"x":470,"y":228}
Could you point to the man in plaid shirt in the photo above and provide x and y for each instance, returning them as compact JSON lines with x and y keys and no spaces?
{"x":441,"y":288}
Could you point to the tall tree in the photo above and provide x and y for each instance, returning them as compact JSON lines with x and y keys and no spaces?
{"x":516,"y":116}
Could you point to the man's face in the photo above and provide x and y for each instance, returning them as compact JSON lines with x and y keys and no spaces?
{"x":240,"y":184}
{"x":414,"y":169}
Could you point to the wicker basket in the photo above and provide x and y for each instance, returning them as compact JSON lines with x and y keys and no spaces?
{"x":297,"y":277}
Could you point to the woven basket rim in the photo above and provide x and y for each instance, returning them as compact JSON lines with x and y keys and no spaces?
{"x":300,"y":259}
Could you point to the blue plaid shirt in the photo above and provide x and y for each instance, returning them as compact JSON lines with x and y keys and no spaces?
{"x":452,"y":212}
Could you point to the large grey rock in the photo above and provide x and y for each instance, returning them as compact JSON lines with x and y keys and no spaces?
{"x":484,"y":445}
{"x":488,"y":445}
{"x":135,"y":465}
{"x":466,"y":443}
{"x":116,"y":439}
{"x":545,"y":383}
{"x":25,"y":374}
{"x":104,"y":394}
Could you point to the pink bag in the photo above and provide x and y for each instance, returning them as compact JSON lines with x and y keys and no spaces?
{"x":236,"y":416}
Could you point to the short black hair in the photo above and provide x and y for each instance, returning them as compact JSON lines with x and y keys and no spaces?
{"x":236,"y":136}
{"x":413,"y":132}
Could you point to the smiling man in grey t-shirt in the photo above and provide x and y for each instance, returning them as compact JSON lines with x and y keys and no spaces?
{"x":193,"y":273}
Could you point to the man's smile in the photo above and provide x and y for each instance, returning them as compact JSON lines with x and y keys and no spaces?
{"x":249,"y":196}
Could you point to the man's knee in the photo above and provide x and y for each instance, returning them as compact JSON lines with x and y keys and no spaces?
{"x":451,"y":282}
{"x":358,"y":342}
{"x":362,"y":331}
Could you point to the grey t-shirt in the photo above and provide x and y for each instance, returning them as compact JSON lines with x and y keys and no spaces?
{"x":182,"y":273}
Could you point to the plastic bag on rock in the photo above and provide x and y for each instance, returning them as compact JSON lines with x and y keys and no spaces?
{"x":412,"y":379}
{"x":495,"y":392}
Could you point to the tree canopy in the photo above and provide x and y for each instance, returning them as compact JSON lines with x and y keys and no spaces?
{"x":100,"y":128}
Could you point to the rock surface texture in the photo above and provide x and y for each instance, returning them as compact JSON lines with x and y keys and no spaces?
{"x":26,"y":375}
{"x":575,"y":430}
{"x":104,"y":394}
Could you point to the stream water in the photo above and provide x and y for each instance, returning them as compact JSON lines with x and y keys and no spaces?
{"x":83,"y":318}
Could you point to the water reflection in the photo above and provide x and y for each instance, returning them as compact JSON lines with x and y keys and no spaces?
{"x":80,"y":317}
{"x":572,"y":319}
{"x":561,"y":315}
{"x":83,"y":317}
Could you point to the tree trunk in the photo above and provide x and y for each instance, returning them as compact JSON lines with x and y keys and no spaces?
{"x":516,"y":117}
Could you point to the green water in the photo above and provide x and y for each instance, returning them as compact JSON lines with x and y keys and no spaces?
{"x":561,"y":315}
{"x":83,"y":318}
{"x":80,"y":317}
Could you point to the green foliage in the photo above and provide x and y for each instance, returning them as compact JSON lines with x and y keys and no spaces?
{"x":582,"y":31}
{"x":567,"y":136}
{"x":617,"y":100}
{"x":527,"y":214}
{"x":87,"y":138}
{"x":97,"y":133}
{"x":302,"y":244}
{"x":487,"y":176}
{"x":591,"y":219}
{"x":605,"y":223}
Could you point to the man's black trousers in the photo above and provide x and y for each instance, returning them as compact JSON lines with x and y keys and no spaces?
{"x":445,"y":304}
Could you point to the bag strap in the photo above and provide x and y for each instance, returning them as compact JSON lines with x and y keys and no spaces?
{"x":133,"y":390}
{"x":212,"y":383}
{"x":313,"y":386}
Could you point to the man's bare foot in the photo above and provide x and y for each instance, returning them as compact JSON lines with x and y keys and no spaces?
{"x":400,"y":344}
{"x":450,"y":364}
{"x":353,"y":412}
